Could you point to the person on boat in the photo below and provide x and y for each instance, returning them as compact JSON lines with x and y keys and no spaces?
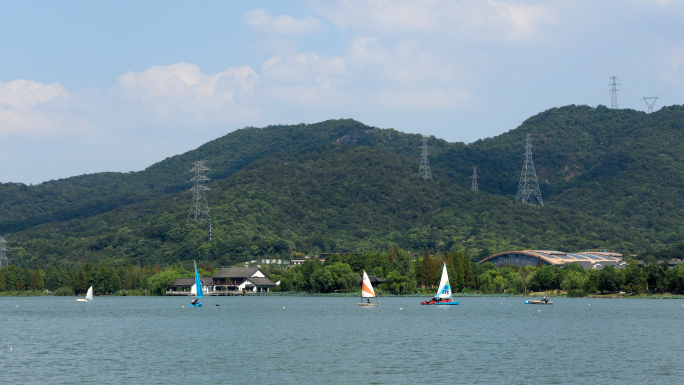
{"x":194,"y":301}
{"x":546,"y":300}
{"x":368,"y":300}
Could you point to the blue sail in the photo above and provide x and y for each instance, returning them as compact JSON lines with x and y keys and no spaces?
{"x":198,"y":283}
{"x":445,"y":292}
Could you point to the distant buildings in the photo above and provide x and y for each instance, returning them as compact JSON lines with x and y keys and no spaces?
{"x":187,"y":285}
{"x":589,"y":259}
{"x":227,"y":280}
{"x":295,"y":262}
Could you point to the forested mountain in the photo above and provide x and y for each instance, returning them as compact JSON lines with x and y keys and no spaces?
{"x":609,"y":178}
{"x":83,"y":196}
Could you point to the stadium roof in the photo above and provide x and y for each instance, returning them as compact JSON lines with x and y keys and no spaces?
{"x":604,"y":257}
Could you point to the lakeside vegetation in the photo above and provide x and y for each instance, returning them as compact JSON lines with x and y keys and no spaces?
{"x":403,"y":274}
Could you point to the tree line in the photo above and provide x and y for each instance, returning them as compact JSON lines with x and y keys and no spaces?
{"x":406,"y":275}
{"x":403,"y":273}
{"x":104,"y":278}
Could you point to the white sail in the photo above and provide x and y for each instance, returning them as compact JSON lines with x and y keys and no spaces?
{"x":366,"y":287}
{"x":444,"y":287}
{"x":89,"y":294}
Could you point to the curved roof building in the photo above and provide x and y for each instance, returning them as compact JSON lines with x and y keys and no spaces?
{"x":589,"y":259}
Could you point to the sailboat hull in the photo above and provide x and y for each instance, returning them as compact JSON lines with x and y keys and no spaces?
{"x":196,"y":304}
{"x":538,"y":302}
{"x":368,"y":304}
{"x":442,"y":302}
{"x":81,"y":300}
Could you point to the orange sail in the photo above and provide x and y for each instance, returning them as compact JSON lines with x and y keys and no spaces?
{"x":366,"y":287}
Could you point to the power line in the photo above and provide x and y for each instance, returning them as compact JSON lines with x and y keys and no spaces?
{"x":424,"y":170}
{"x":4,"y":261}
{"x":652,"y":100}
{"x":528,"y":187}
{"x":199,"y":209}
{"x":614,"y":89}
{"x":473,"y":186}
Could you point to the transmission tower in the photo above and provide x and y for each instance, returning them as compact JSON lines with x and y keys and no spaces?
{"x":652,"y":101}
{"x":614,"y":89}
{"x":3,"y":253}
{"x":528,"y":187}
{"x":199,"y":209}
{"x":424,"y":170}
{"x":473,"y":186}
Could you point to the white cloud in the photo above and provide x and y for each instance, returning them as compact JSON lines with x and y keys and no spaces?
{"x":30,"y":108}
{"x":303,"y":79}
{"x":261,"y":19}
{"x":300,"y":67}
{"x":660,"y":3}
{"x":405,"y":63}
{"x":370,"y":73}
{"x":182,"y":81}
{"x":179,"y":94}
{"x":521,"y":22}
{"x":465,"y":20}
{"x":24,"y":94}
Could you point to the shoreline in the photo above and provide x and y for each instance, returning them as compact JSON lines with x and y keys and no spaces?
{"x":460,"y":295}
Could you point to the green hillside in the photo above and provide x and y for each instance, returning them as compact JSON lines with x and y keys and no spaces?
{"x":23,"y":207}
{"x":609,"y":178}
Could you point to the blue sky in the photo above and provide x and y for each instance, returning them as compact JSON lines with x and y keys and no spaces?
{"x":92,"y":86}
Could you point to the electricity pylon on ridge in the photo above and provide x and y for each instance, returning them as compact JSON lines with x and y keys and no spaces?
{"x":3,"y":253}
{"x":424,"y":170}
{"x":652,"y":100}
{"x":473,"y":186}
{"x":199,"y":209}
{"x":614,"y":89}
{"x":528,"y":187}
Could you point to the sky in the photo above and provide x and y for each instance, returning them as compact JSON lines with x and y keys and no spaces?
{"x":96,"y":86}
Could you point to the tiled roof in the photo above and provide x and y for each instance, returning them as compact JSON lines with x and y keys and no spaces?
{"x":236,"y":272}
{"x":375,"y":279}
{"x":257,"y":281}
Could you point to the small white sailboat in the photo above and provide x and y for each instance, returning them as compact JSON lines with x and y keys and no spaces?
{"x":198,"y":289}
{"x":367,"y":292}
{"x":88,"y":297}
{"x":443,"y":296}
{"x":538,"y":302}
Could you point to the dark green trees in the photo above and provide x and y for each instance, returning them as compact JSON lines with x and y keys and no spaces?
{"x":427,"y":271}
{"x":609,"y":279}
{"x":545,"y":278}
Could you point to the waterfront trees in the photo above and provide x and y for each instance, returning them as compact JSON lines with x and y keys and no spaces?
{"x":402,"y":272}
{"x":427,"y":271}
{"x":609,"y":279}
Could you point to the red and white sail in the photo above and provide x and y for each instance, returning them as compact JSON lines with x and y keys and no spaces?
{"x":366,"y":287}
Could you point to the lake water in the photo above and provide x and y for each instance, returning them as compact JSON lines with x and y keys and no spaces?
{"x":288,"y":340}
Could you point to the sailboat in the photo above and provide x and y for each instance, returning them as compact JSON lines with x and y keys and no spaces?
{"x":367,"y":292}
{"x":88,"y":297}
{"x":443,"y":296}
{"x":198,"y":289}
